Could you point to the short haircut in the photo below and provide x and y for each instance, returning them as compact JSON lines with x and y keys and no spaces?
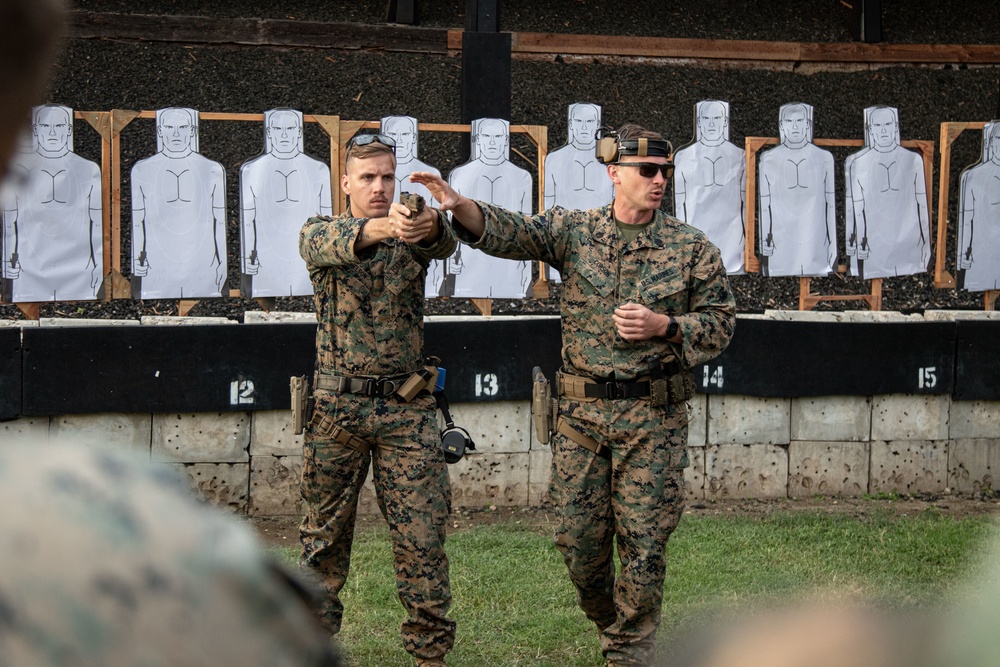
{"x":356,"y":152}
{"x":633,"y":131}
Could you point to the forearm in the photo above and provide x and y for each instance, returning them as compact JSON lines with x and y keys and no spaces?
{"x":440,"y":241}
{"x":372,"y":232}
{"x":468,"y":214}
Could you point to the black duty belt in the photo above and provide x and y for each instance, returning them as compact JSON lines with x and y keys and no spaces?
{"x":617,"y":390}
{"x":382,"y":386}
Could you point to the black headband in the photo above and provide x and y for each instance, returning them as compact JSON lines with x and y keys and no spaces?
{"x":644,"y":147}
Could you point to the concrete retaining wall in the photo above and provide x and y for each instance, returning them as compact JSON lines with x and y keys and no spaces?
{"x":740,"y":447}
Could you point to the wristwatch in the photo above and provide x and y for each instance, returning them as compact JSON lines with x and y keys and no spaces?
{"x":672,"y":328}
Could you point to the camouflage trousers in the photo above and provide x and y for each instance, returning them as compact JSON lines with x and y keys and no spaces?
{"x":413,"y":492}
{"x":635,"y":497}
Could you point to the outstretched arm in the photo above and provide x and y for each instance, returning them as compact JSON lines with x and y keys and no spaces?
{"x":463,"y":209}
{"x":400,"y":224}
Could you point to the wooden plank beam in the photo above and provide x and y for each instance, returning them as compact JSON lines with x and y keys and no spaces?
{"x":257,"y":32}
{"x":354,"y":36}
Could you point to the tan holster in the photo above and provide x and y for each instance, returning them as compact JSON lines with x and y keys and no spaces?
{"x":544,"y":408}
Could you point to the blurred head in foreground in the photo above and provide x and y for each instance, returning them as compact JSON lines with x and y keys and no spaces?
{"x":30,"y":31}
{"x":805,"y":633}
{"x":105,"y":562}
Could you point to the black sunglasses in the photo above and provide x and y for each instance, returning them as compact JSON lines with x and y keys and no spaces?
{"x":648,"y":169}
{"x":365,"y":139}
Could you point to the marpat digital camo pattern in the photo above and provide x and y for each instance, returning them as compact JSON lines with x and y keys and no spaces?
{"x":370,"y":308}
{"x":108,"y":563}
{"x":671,"y":268}
{"x":636,"y":497}
{"x":370,"y":311}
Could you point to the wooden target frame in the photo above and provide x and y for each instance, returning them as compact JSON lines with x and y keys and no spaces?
{"x":949,"y":133}
{"x":807,"y":298}
{"x":110,"y":124}
{"x":538,"y":134}
{"x":101,"y":121}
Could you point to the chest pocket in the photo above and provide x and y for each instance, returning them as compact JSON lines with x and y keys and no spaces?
{"x":666,"y":292}
{"x":595,"y":274}
{"x":402,"y":270}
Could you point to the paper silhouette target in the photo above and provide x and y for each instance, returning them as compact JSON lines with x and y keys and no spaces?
{"x":574,"y":179}
{"x":797,"y":208}
{"x":279,"y":190}
{"x":489,"y":176}
{"x":178,"y":215}
{"x":889,"y":233}
{"x":52,"y":233}
{"x":710,"y":183}
{"x":404,"y":131}
{"x":979,"y":218}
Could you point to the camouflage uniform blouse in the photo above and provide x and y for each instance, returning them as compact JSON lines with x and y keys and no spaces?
{"x":370,"y":307}
{"x":671,"y":268}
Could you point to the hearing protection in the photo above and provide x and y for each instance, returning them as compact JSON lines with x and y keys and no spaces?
{"x":611,"y":148}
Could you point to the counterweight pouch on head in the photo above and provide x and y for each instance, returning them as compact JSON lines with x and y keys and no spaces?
{"x":543,"y":407}
{"x":302,"y":403}
{"x":455,"y":440}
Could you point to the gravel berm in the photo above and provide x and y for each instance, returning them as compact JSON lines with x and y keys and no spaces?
{"x":366,"y":84}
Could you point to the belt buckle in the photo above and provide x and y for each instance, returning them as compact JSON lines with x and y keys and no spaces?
{"x":615,"y":390}
{"x":384,"y":387}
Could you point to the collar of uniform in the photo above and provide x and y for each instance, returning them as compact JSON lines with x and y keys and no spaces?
{"x":606,"y":232}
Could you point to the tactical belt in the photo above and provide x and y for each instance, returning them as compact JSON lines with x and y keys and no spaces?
{"x":575,"y":386}
{"x":583,"y":440}
{"x":381,"y":387}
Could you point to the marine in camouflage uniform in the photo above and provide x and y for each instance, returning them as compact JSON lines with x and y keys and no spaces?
{"x":620,"y":298}
{"x":110,"y":563}
{"x":367,"y":268}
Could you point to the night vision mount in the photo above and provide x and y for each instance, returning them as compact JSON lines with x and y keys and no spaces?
{"x":611,"y":148}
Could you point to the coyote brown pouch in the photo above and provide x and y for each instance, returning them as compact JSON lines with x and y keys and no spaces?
{"x":542,"y":405}
{"x":301,"y":403}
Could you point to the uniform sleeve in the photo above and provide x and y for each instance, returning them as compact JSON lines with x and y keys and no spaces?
{"x":708,"y":326}
{"x":513,"y":235}
{"x":445,"y":244}
{"x":326,"y":241}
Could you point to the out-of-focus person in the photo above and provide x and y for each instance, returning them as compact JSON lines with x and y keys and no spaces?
{"x":106,"y":562}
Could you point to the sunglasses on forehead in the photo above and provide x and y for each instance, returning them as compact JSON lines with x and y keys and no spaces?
{"x":365,"y":139}
{"x":648,"y":169}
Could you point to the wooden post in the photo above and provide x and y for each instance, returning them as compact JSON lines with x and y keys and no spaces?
{"x":30,"y":310}
{"x":184,"y":306}
{"x":120,"y":287}
{"x":990,"y":299}
{"x":102,"y":122}
{"x":949,"y":133}
{"x":484,"y":306}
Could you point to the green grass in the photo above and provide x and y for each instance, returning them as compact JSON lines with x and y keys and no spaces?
{"x":515,"y":606}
